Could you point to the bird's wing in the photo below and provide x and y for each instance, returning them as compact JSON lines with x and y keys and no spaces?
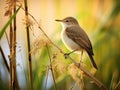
{"x":80,"y":37}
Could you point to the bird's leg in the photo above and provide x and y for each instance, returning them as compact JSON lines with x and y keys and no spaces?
{"x":81,"y":56}
{"x":70,"y":53}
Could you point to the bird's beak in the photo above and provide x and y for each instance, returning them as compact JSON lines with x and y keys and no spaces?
{"x":59,"y":20}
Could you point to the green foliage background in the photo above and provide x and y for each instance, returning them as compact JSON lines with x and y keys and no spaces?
{"x":99,"y":18}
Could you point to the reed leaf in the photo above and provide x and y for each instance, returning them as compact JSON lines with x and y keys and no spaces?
{"x":8,"y":22}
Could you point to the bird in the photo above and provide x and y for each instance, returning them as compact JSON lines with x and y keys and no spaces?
{"x":75,"y":38}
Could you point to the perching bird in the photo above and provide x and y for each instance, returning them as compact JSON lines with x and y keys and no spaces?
{"x":75,"y":38}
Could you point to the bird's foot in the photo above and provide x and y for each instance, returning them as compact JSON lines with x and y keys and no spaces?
{"x":66,"y":55}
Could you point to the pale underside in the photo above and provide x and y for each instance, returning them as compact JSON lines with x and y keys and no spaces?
{"x":69,"y":43}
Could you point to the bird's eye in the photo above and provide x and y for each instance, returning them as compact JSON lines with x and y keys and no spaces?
{"x":67,"y":21}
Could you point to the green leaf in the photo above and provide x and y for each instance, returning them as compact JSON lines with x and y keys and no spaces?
{"x":9,"y":21}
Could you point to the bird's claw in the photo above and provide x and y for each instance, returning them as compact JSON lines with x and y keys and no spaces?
{"x":66,"y":55}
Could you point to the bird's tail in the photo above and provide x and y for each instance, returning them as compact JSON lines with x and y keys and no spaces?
{"x":92,"y":61}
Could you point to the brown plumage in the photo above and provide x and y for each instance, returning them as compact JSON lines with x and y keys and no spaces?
{"x":82,"y":40}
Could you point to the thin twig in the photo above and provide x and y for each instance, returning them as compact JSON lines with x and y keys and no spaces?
{"x":29,"y":49}
{"x":44,"y":32}
{"x":4,"y":59}
{"x":55,"y":86}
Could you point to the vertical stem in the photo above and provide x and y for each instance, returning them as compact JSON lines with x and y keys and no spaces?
{"x":10,"y":57}
{"x":55,"y":86}
{"x":14,"y":47}
{"x":28,"y":39}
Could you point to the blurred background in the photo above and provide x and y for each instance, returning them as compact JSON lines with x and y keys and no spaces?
{"x":101,"y":21}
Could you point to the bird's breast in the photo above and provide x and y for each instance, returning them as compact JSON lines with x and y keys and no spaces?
{"x":69,"y":43}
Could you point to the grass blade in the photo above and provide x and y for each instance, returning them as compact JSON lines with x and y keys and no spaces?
{"x":9,"y":21}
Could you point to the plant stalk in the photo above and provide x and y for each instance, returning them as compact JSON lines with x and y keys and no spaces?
{"x":28,"y":44}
